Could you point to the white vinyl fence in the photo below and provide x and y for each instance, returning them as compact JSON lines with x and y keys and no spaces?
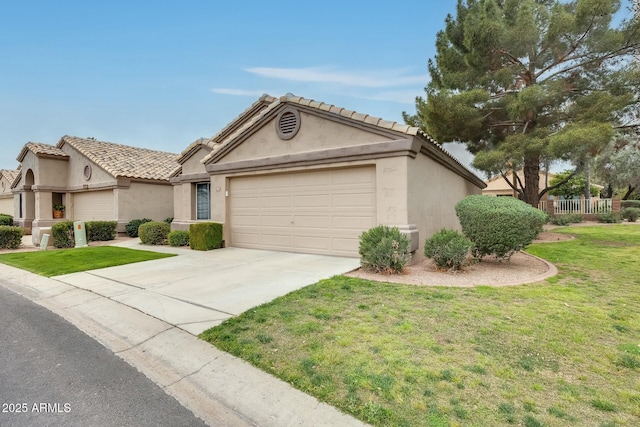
{"x":582,"y":206}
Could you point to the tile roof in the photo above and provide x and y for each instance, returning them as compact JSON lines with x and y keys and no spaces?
{"x":10,"y":174}
{"x":253,"y":110}
{"x":41,"y":150}
{"x":123,"y":160}
{"x":332,"y":109}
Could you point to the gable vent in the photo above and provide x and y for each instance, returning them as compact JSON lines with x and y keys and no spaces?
{"x":288,"y":123}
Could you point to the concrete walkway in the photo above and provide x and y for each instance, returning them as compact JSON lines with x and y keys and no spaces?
{"x":148,"y":314}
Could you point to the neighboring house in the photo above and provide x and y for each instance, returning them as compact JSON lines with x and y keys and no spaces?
{"x":497,"y":186}
{"x":293,"y":174}
{"x":94,"y":180}
{"x":6,"y":196}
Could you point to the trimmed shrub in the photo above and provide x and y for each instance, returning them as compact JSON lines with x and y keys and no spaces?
{"x":566,"y":219}
{"x":629,"y":204}
{"x":132,"y":226}
{"x":10,"y":237}
{"x":178,"y":238}
{"x":630,"y":214}
{"x":448,"y":249}
{"x":205,"y":236}
{"x":62,"y":234}
{"x":168,"y":220}
{"x":499,"y":225}
{"x":6,"y":219}
{"x":384,"y":250}
{"x":559,"y":220}
{"x":609,"y":217}
{"x":154,"y":233}
{"x":100,"y":231}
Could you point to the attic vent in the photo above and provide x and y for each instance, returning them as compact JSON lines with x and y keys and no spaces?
{"x":288,"y":123}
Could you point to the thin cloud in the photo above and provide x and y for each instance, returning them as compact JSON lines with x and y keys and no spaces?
{"x":239,"y":92}
{"x":383,"y":78}
{"x":400,"y":96}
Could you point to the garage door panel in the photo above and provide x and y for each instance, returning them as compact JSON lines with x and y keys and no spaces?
{"x":322,"y":222}
{"x":311,"y":200}
{"x":320,"y":212}
{"x":269,"y":201}
{"x":353,"y":200}
{"x":94,"y":206}
{"x":351,"y":222}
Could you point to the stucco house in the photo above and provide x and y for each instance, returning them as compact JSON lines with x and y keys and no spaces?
{"x":94,"y":180}
{"x":293,"y":174}
{"x":7,"y":176}
{"x":497,"y":186}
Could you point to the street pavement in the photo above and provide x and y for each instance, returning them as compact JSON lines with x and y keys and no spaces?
{"x":53,"y":374}
{"x":149,"y":314}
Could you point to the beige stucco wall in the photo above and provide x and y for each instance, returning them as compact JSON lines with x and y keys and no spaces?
{"x":75,"y":171}
{"x":184,"y":192}
{"x":143,"y":200}
{"x":6,"y":204}
{"x":433,"y":192}
{"x":6,"y":196}
{"x":46,"y":171}
{"x":193,"y":164}
{"x":315,"y":134}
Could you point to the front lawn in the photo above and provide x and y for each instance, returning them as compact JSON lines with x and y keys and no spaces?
{"x":556,"y":353}
{"x":58,"y":262}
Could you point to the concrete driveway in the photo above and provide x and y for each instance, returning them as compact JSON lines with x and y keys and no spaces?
{"x":197,"y":290}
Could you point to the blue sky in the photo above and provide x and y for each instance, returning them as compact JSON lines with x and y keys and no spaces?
{"x":162,"y":74}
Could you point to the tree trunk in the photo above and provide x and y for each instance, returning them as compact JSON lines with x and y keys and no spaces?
{"x":532,"y":180}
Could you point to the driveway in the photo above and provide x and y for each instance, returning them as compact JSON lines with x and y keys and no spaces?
{"x":197,"y":290}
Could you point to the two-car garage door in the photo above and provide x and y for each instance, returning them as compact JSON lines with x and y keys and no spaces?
{"x":320,"y":212}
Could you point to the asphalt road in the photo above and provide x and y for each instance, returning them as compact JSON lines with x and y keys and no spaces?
{"x":53,"y":374}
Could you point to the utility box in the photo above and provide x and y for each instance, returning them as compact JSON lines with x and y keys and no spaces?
{"x":80,"y":234}
{"x":44,"y":242}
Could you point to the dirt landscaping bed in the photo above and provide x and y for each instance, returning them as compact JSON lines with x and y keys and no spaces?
{"x":521,"y":268}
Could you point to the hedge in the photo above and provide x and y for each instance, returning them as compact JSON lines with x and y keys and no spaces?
{"x":630,"y":204}
{"x":499,"y":226}
{"x":62,"y":234}
{"x":100,"y":231}
{"x":205,"y":236}
{"x":10,"y":237}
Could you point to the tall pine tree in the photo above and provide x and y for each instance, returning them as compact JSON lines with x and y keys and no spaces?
{"x":525,"y":82}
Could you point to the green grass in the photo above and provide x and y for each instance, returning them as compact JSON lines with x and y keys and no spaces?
{"x":560,"y":352}
{"x":58,"y":262}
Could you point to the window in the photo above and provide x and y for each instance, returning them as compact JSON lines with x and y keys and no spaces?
{"x":203,"y":201}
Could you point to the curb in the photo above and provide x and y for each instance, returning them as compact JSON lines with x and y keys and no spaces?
{"x":217,"y":387}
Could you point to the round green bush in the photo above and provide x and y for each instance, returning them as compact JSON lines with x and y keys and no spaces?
{"x":6,"y":219}
{"x":631,"y":214}
{"x":384,"y":250}
{"x":499,"y":226}
{"x":10,"y":237}
{"x":448,"y":249}
{"x":179,"y":238}
{"x":154,"y":233}
{"x":132,"y":226}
